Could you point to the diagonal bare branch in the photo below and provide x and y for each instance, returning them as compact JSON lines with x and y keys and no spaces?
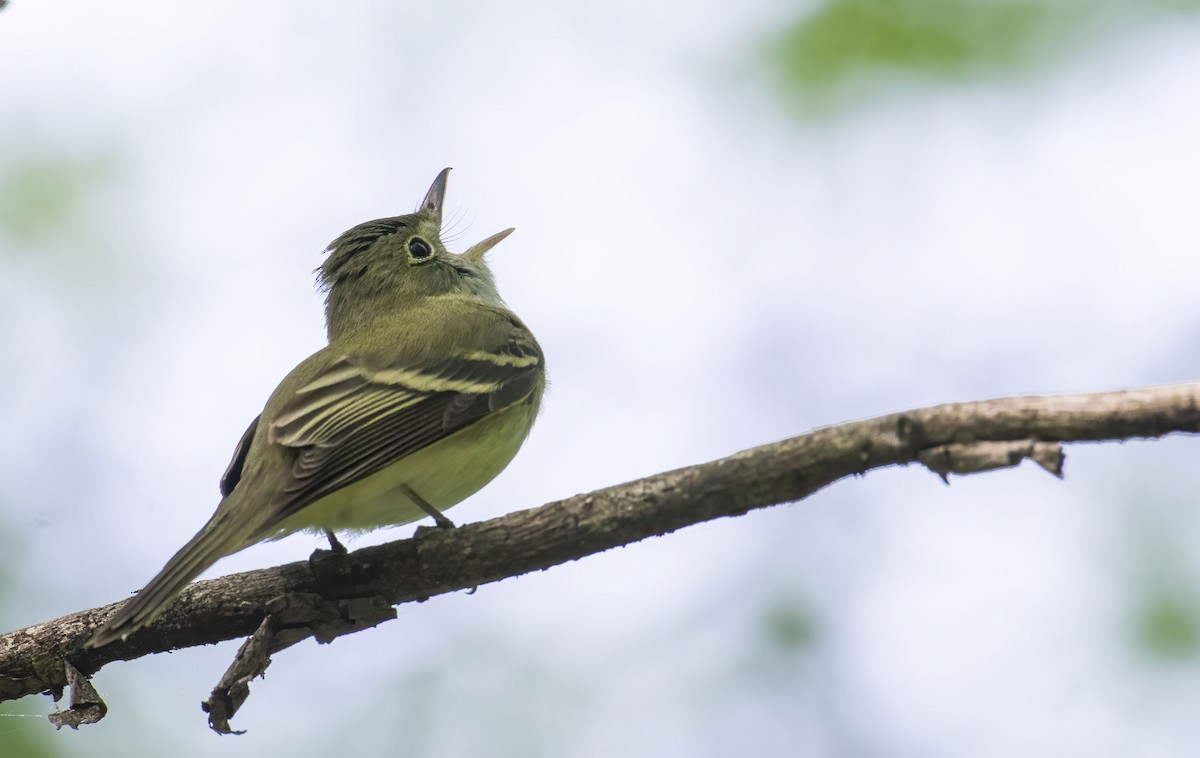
{"x":333,"y":595}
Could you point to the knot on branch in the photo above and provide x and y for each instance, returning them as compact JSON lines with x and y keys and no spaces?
{"x":972,"y":457}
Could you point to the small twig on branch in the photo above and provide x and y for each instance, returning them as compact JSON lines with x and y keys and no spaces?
{"x":335,"y":595}
{"x":87,"y":707}
{"x":250,"y":663}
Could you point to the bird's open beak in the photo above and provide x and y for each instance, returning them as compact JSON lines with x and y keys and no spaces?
{"x":476,"y":252}
{"x":432,"y":204}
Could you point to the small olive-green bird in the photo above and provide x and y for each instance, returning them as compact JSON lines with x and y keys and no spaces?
{"x":427,"y":389}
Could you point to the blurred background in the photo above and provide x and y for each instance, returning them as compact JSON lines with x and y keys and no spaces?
{"x":735,"y":222}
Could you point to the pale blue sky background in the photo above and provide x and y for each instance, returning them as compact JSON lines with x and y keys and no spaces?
{"x":705,"y":273}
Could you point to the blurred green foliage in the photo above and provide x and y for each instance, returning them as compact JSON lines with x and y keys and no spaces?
{"x":67,"y":231}
{"x":46,"y":201}
{"x":1161,"y":580}
{"x":1167,"y":625}
{"x":10,"y":548}
{"x":790,"y":627}
{"x":25,"y":735}
{"x":785,"y":638}
{"x":826,"y":57}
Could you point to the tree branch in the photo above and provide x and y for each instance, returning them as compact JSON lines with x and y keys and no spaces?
{"x":331,"y":595}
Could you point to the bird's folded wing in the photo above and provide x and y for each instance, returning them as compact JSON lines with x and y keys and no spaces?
{"x":233,"y":473}
{"x":353,"y":420}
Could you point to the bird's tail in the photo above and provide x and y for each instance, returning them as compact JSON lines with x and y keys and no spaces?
{"x":214,"y":541}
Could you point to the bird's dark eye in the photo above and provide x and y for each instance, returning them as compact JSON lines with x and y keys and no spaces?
{"x":419,"y":249}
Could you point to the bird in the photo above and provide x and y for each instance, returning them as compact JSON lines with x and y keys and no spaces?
{"x":426,"y":390}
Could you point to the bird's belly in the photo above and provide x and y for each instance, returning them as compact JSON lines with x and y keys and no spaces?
{"x":443,"y":474}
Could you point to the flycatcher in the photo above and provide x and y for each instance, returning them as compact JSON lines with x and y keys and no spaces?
{"x":427,"y":389}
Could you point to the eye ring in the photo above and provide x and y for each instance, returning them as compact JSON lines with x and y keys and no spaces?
{"x":419,"y":250}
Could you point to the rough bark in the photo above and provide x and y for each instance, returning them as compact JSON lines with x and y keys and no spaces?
{"x":332,"y":595}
